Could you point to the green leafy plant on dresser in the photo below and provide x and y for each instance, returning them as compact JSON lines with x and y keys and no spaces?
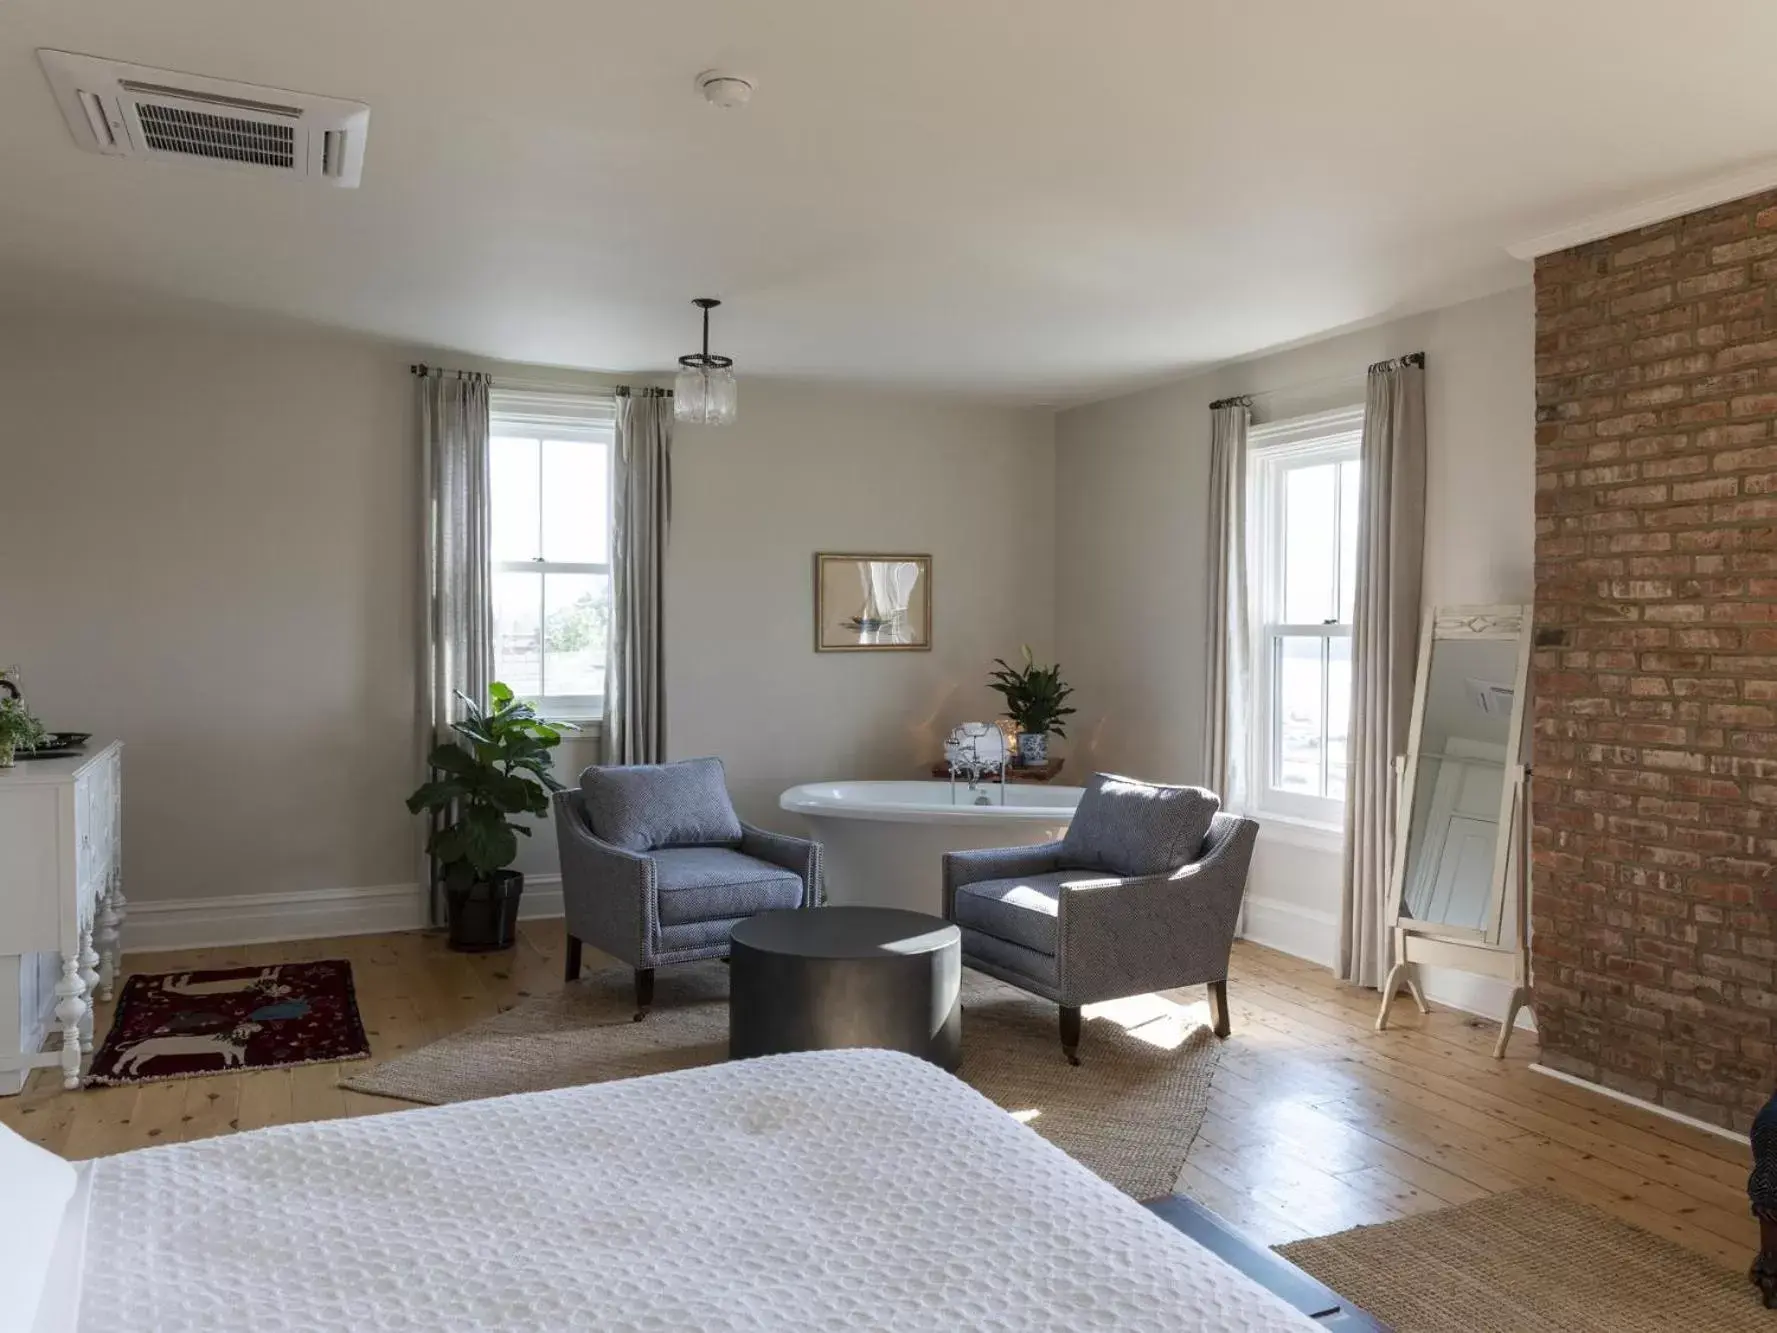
{"x":19,"y":729}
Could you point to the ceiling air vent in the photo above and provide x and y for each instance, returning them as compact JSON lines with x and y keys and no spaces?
{"x":134,"y":111}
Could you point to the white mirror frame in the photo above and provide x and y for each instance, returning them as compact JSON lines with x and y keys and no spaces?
{"x":1505,"y":622}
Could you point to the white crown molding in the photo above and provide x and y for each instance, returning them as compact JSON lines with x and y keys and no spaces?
{"x":1704,"y":194}
{"x":313,"y":914}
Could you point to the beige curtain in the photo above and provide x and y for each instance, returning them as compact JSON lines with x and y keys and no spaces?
{"x":457,"y":616}
{"x":1385,"y":637}
{"x":635,"y":688}
{"x":1226,"y":671}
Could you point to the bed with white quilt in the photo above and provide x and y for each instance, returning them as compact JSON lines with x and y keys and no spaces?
{"x":832,"y":1190}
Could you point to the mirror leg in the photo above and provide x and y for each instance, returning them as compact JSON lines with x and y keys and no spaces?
{"x":1389,"y":987}
{"x":1413,"y":990}
{"x":1520,"y":998}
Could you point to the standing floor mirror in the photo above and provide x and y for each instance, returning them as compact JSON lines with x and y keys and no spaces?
{"x":1459,"y":887}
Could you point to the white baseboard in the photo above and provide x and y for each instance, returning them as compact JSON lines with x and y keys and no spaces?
{"x":1312,"y":934}
{"x":1304,"y":932}
{"x":1484,"y":997}
{"x":1654,"y":1107}
{"x":311,"y":914}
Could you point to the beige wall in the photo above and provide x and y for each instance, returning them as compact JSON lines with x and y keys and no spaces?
{"x":809,"y":469}
{"x":208,"y":546}
{"x":1132,"y":476}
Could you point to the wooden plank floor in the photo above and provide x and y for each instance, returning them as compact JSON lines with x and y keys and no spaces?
{"x":1316,"y":1122}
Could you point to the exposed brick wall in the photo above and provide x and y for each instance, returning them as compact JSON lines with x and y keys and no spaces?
{"x":1655,"y":818}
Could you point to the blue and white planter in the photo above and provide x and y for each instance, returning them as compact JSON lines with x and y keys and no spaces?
{"x":1033,"y":749}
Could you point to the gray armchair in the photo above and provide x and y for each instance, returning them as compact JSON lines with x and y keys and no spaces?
{"x":657,"y":869}
{"x":1142,"y":895}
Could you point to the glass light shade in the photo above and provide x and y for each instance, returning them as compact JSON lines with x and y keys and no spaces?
{"x":705,"y":396}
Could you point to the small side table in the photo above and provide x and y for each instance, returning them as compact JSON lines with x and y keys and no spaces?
{"x":1014,"y":773}
{"x":829,"y":978}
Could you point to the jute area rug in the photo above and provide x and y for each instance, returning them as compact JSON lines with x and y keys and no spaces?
{"x":1531,"y":1261}
{"x":1129,"y":1111}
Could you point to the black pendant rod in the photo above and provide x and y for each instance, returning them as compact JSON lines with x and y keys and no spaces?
{"x":704,"y":360}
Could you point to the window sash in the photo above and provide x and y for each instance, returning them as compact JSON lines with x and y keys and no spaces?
{"x":573,"y":418}
{"x":1275,"y":795}
{"x":1274,"y":452}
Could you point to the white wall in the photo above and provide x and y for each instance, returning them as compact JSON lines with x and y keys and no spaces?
{"x":1132,"y":477}
{"x":208,"y":547}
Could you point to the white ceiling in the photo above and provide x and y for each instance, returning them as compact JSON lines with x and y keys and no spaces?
{"x":1035,"y":200}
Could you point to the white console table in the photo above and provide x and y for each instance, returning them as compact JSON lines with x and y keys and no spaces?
{"x":61,"y":905}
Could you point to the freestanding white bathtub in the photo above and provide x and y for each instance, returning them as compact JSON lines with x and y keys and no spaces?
{"x":883,"y":842}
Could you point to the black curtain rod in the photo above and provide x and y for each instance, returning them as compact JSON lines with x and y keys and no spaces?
{"x":1246,"y":399}
{"x":1396,"y":363}
{"x":421,"y":369}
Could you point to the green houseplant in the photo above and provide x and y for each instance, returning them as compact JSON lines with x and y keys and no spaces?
{"x":496,"y":771}
{"x":18,"y":727}
{"x":1036,"y":700}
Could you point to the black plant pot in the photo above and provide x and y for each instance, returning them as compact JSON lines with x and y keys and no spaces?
{"x":484,"y":916}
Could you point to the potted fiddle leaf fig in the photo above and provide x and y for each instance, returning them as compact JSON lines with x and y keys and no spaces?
{"x":496,"y":771}
{"x":19,"y":729}
{"x":1036,"y":700}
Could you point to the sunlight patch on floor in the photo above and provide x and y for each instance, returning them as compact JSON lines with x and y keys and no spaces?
{"x":1153,"y":1019}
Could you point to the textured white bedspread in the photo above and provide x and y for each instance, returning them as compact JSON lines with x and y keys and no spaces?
{"x":837,"y":1190}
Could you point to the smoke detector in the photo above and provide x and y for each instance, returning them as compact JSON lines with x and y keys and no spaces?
{"x":727,"y":91}
{"x":125,"y":110}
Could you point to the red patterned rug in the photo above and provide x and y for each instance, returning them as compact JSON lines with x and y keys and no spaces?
{"x":186,"y":1024}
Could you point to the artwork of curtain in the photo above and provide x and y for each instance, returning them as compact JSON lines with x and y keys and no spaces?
{"x":635,"y":690}
{"x":1227,"y":670}
{"x":457,"y":629}
{"x":1385,"y":639}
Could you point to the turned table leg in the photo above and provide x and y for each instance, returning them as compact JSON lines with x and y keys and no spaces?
{"x":71,"y":1010}
{"x":110,"y":939}
{"x":89,"y":983}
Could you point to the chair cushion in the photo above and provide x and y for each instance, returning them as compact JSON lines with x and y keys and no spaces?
{"x":1124,"y":826}
{"x":716,"y":884}
{"x":643,"y":806}
{"x":1023,"y":910}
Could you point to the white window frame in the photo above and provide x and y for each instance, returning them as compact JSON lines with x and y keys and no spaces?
{"x":551,"y":415}
{"x":1273,"y":451}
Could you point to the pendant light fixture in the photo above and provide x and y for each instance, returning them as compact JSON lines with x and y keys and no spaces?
{"x":704,"y":392}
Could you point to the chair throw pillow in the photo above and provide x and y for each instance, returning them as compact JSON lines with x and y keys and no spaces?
{"x":1127,"y":827}
{"x":639,"y":807}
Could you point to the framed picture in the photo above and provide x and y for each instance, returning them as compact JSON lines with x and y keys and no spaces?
{"x":872,"y":603}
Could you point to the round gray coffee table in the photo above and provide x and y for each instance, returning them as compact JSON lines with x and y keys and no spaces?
{"x":825,"y":978}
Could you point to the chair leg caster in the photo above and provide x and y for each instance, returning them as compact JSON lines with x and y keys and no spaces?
{"x":644,"y":992}
{"x":1070,"y":1033}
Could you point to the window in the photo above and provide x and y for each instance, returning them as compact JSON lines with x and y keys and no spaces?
{"x":1303,"y":491}
{"x":550,"y":464}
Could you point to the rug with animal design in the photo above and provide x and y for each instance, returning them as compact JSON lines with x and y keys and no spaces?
{"x":186,"y":1024}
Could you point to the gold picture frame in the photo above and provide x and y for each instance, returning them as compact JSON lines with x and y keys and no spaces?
{"x":872,"y":602}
